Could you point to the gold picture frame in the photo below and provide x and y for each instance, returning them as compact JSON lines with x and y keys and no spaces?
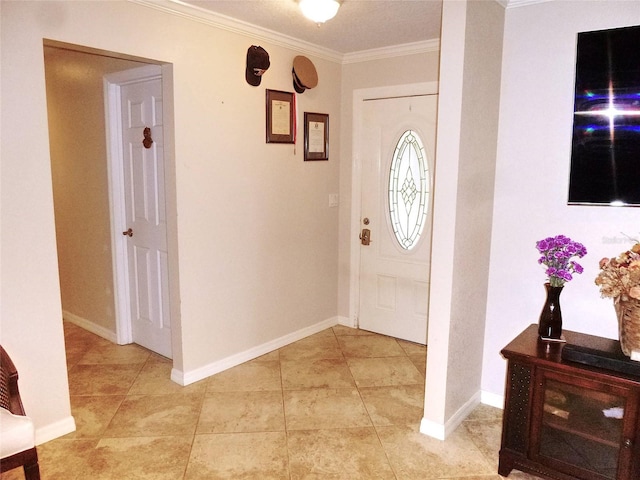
{"x":316,"y":136}
{"x":280,"y":117}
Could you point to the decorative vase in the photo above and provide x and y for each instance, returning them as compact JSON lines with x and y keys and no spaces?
{"x":628,"y":312}
{"x":550,"y":324}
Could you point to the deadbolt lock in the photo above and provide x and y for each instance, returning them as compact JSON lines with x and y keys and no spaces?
{"x":365,"y":236}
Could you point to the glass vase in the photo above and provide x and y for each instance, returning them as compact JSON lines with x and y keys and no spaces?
{"x":550,"y":324}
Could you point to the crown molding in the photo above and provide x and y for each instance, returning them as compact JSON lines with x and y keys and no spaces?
{"x":394,"y":51}
{"x":201,"y":15}
{"x":520,"y":3}
{"x":207,"y":17}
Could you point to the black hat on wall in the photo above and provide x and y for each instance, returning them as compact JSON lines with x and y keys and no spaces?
{"x":257,"y":64}
{"x":304,"y":74}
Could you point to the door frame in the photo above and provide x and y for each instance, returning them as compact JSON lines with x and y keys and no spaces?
{"x":115,"y":160}
{"x":360,"y":96}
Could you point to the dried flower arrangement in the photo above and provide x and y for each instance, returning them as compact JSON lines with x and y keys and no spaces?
{"x":620,"y":276}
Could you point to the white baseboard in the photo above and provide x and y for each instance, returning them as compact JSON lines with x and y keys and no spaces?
{"x":441,"y":432}
{"x":346,"y":322}
{"x":90,"y":326}
{"x":55,"y":430}
{"x":492,"y":400}
{"x":432,"y":429}
{"x":192,"y":376}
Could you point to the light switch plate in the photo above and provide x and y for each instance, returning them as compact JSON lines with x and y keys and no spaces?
{"x":334,"y":199}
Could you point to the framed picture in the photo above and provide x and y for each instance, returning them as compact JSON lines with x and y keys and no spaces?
{"x":316,"y":136}
{"x":280,"y":117}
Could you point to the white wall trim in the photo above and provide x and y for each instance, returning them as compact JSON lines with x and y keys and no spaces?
{"x":207,"y":17}
{"x":115,"y":158}
{"x":432,"y":429}
{"x":55,"y":430}
{"x":394,"y":51}
{"x":116,"y":208}
{"x":192,"y":376}
{"x":521,"y":3}
{"x":90,"y":326}
{"x":346,"y":322}
{"x":492,"y":399}
{"x":441,"y":432}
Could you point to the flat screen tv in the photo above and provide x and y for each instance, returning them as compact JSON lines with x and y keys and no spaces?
{"x":605,"y":154}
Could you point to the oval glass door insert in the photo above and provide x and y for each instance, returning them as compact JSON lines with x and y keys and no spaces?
{"x":408,"y":190}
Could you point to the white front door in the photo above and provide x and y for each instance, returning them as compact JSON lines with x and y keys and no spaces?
{"x":396,"y":210}
{"x":145,"y":226}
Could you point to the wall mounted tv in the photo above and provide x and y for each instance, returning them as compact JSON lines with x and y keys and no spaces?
{"x":605,"y":155}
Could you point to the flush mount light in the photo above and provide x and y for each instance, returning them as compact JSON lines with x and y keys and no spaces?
{"x":319,"y":10}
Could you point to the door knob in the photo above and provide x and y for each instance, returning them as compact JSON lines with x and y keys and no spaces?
{"x":129,"y":233}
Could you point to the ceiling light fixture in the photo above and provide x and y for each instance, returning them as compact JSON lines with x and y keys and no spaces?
{"x":319,"y":10}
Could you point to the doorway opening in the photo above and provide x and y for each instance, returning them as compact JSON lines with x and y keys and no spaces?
{"x":89,"y":250}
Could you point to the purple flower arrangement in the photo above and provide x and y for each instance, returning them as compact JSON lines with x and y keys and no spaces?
{"x":557,"y":253}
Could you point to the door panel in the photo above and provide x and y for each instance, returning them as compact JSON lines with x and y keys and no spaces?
{"x":394,"y":281}
{"x":141,"y":106}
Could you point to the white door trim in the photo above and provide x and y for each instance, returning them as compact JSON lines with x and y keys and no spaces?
{"x":115,"y":159}
{"x":359,"y":96}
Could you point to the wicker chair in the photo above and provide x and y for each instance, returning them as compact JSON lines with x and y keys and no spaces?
{"x":17,"y":440}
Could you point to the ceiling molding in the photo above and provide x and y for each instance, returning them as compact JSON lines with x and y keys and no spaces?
{"x":196,"y":14}
{"x":521,"y":3}
{"x":207,"y":17}
{"x":395,"y":51}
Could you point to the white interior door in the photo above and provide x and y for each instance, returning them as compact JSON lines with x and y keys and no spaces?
{"x":394,"y":267}
{"x":145,"y":229}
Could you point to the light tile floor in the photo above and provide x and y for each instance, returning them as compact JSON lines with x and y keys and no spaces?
{"x":341,"y":404}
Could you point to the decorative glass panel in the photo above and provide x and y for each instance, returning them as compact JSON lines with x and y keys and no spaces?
{"x":583,"y":427}
{"x":408,"y":190}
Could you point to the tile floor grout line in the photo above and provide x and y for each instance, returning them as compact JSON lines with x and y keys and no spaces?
{"x":373,"y":426}
{"x":208,"y":457}
{"x":284,"y":417}
{"x":195,"y":432}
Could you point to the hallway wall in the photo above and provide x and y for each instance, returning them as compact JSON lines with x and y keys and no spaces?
{"x":258,"y":242}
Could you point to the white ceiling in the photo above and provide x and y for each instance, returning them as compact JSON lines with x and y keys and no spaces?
{"x":360,"y":25}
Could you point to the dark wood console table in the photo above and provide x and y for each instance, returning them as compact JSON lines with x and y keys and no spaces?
{"x":566,"y":420}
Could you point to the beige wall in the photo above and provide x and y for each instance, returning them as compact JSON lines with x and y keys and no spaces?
{"x":476,"y":176}
{"x":258,"y":242}
{"x":532,"y":178}
{"x":532,"y":58}
{"x":76,"y":119}
{"x":463,"y":204}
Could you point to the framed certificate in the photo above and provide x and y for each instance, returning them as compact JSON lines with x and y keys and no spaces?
{"x":280,"y":117}
{"x":316,"y":136}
